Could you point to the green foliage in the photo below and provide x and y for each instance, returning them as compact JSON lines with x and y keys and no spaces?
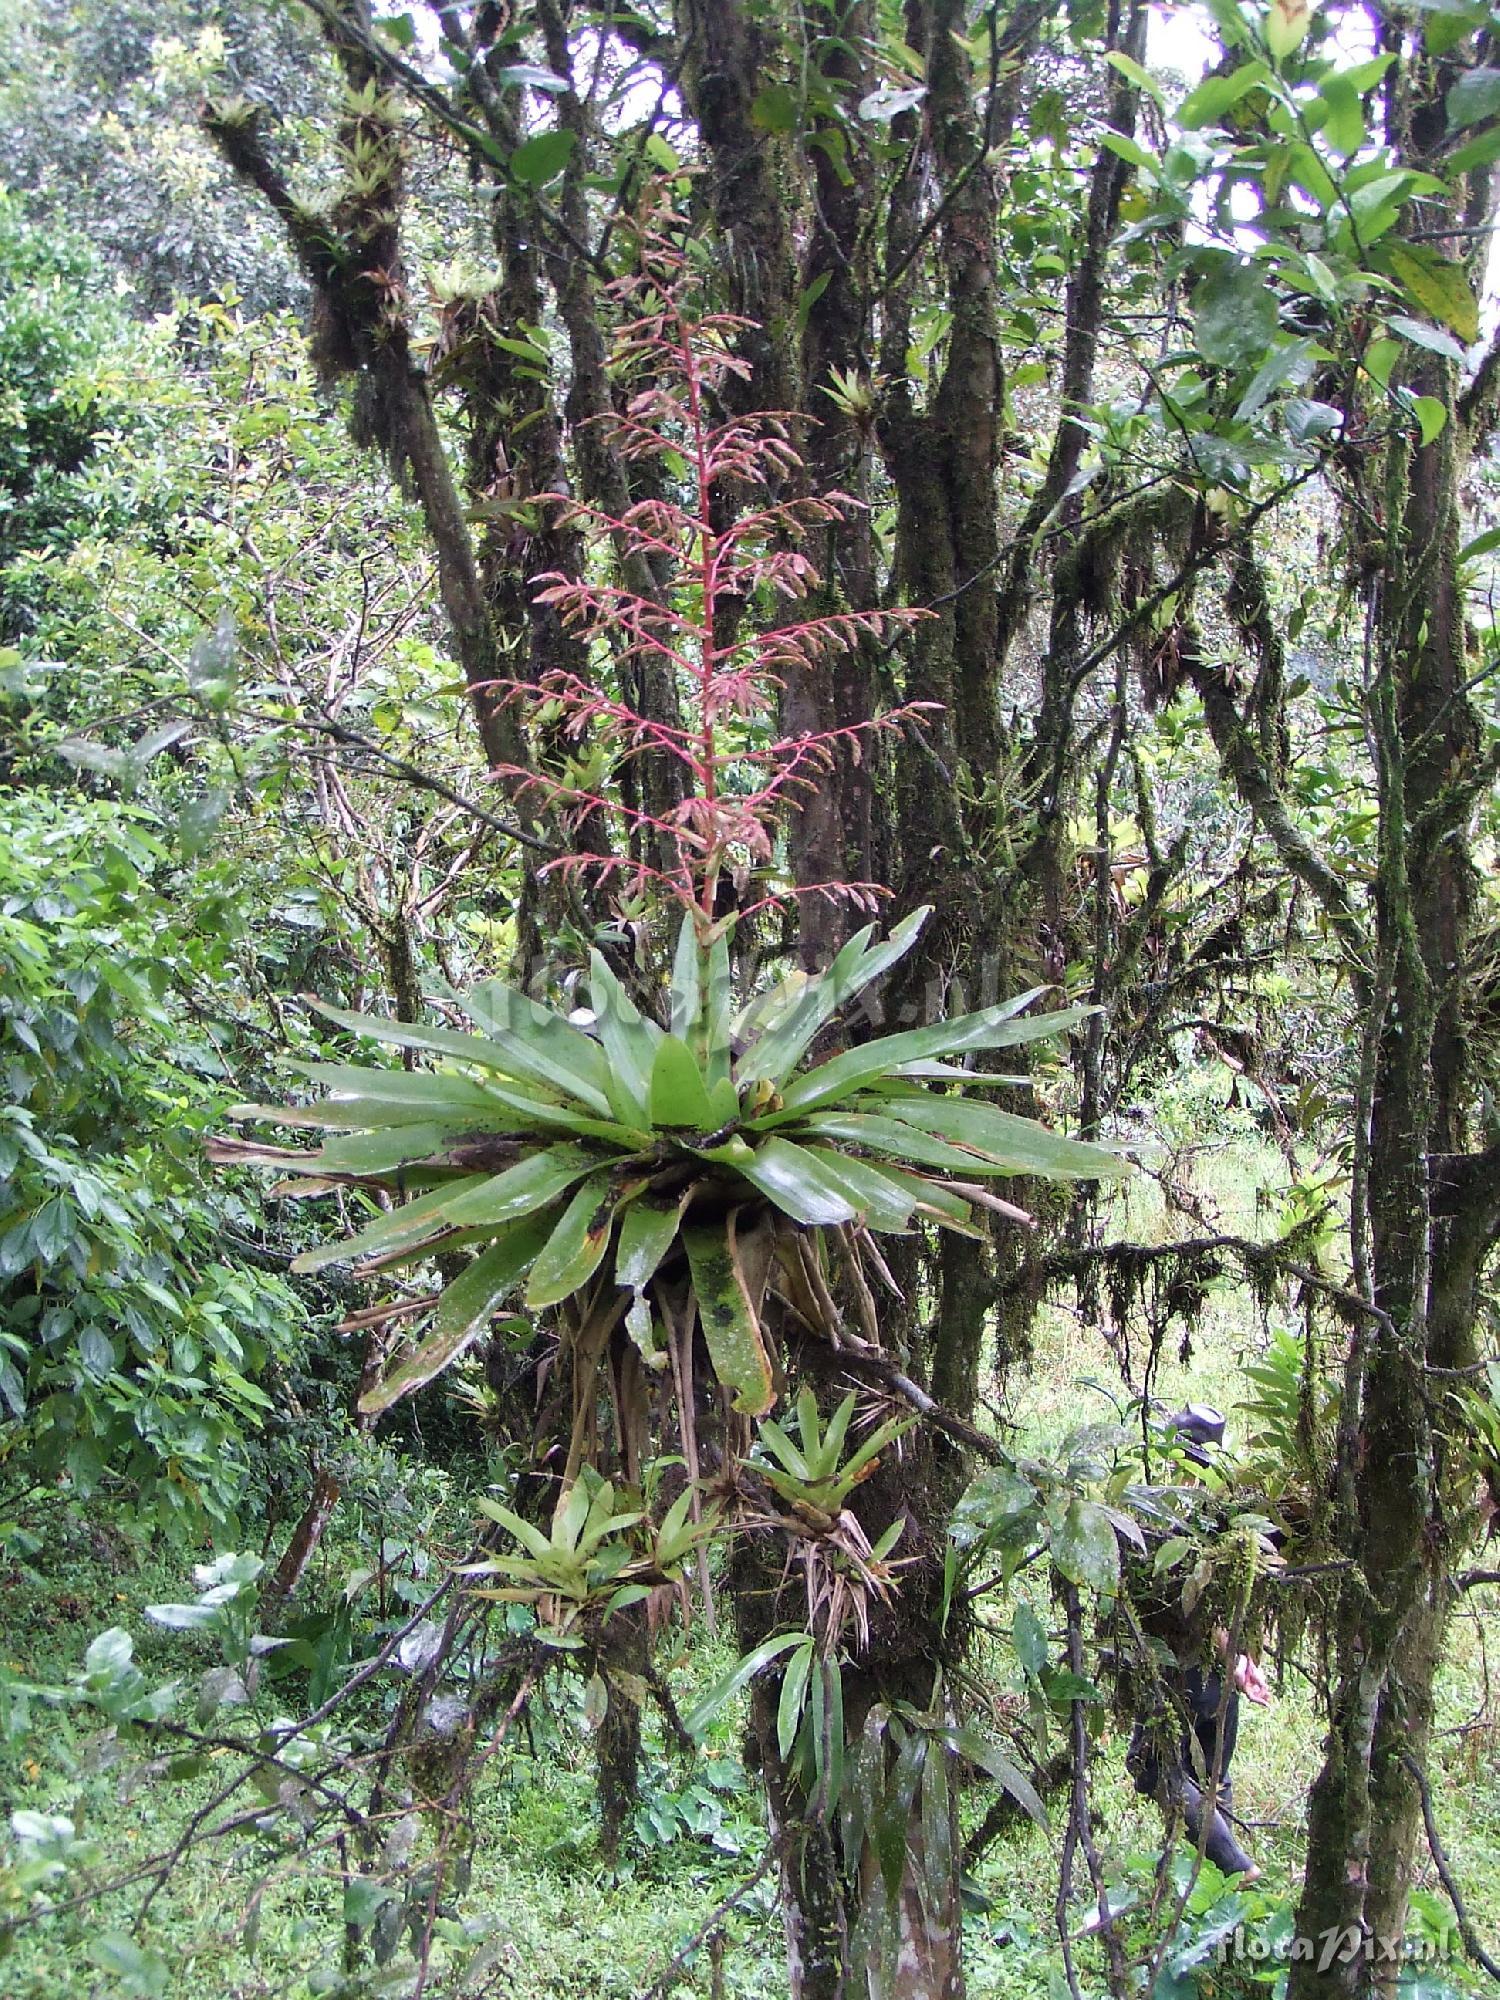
{"x":99,"y":133}
{"x":57,"y":319}
{"x":130,"y":1347}
{"x":635,"y":1152}
{"x":813,"y":1472}
{"x":590,"y":1565}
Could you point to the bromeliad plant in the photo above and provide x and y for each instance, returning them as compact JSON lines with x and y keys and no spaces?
{"x":670,"y":1178}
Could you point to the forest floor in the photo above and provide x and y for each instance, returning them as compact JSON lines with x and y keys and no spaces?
{"x":543,"y":1919}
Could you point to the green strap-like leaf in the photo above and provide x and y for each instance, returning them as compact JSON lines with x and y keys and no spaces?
{"x":647,"y":1233}
{"x":883,"y":1202}
{"x":679,"y":1098}
{"x":890,"y":1135}
{"x":947,"y":1208}
{"x":991,"y":1028}
{"x":537,"y":1115}
{"x":463,"y":1313}
{"x":507,"y":1055}
{"x":628,"y":1039}
{"x":893,"y":1821}
{"x":687,"y":982}
{"x":743,"y":1670}
{"x":1068,"y":1159}
{"x":418,"y":1087}
{"x":531,"y":1184}
{"x":793,"y":1694}
{"x":576,"y":1247}
{"x":975,"y":1749}
{"x":383,"y":1152}
{"x":778,"y":1051}
{"x":498,"y":1010}
{"x":414,"y":1223}
{"x":1026,"y":1146}
{"x":367,"y":1100}
{"x":718,"y":1013}
{"x":799,"y":1185}
{"x":731,"y":1326}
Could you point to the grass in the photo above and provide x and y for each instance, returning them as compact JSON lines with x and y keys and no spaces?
{"x":543,"y":1919}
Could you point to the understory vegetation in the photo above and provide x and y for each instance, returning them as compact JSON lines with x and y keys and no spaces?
{"x":749,"y":945}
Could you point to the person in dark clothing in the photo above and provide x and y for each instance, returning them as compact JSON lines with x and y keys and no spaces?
{"x":1211,"y":1715}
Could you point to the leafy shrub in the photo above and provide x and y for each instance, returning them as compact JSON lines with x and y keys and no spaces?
{"x":56,"y":317}
{"x":130,"y":1344}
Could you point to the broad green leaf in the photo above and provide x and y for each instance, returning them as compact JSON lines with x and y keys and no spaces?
{"x":775,"y":109}
{"x":991,"y":1028}
{"x":463,"y":1312}
{"x":1435,"y":285}
{"x":1132,"y":153}
{"x":679,"y":1100}
{"x":541,"y":158}
{"x":1431,"y":337}
{"x":1306,"y":418}
{"x":1217,"y":95}
{"x":1475,"y":96}
{"x":1084,"y":1546}
{"x":799,"y":1185}
{"x":731,"y":1327}
{"x":1131,"y":70}
{"x":1480,"y":152}
{"x":1029,"y":1637}
{"x":532,"y":74}
{"x":1308,"y":172}
{"x":1293,"y":362}
{"x":1431,"y":415}
{"x":576,"y":1247}
{"x":1287,"y":22}
{"x":1234,"y":312}
{"x":531,"y":1184}
{"x":1344,"y":126}
{"x":1377,"y":204}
